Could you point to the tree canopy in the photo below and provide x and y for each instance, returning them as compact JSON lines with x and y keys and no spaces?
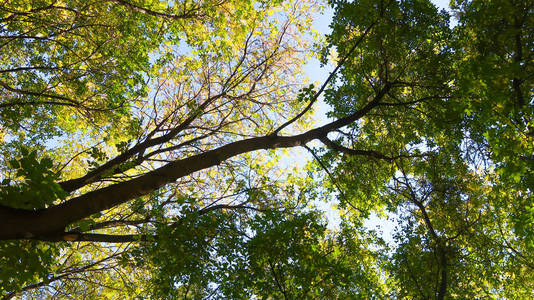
{"x":140,"y":152}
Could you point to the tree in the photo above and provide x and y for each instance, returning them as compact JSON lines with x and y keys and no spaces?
{"x":451,"y":139}
{"x":148,"y":167}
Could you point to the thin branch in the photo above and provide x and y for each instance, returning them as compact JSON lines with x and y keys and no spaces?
{"x":317,"y":158}
{"x":278,"y":284}
{"x":370,"y":153}
{"x":327,"y":81}
{"x":185,"y":15}
{"x":113,"y":223}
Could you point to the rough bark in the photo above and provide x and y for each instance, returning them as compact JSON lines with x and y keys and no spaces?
{"x":50,"y":222}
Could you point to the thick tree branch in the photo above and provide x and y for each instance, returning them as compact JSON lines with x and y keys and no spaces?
{"x":92,"y":176}
{"x":19,"y":224}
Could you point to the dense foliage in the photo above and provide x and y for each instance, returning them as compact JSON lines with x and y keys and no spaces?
{"x":139,"y":159}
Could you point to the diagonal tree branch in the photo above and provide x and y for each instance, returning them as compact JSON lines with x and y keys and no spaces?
{"x":327,"y":81}
{"x":20,"y":224}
